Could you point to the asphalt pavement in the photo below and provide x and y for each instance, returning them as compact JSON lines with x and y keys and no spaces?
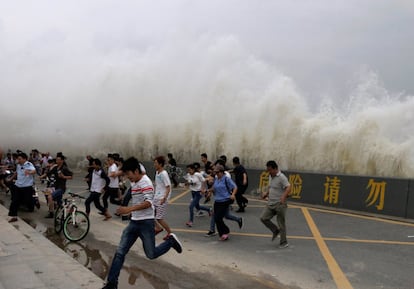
{"x":327,"y":249}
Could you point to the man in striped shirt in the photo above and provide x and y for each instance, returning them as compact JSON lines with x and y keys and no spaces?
{"x":141,"y":224}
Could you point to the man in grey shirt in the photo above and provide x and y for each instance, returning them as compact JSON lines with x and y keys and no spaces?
{"x":277,"y":193}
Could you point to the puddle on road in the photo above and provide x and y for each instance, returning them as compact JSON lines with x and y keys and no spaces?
{"x":99,"y":263}
{"x":96,"y":255}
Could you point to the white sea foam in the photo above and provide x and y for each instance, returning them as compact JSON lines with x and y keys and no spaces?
{"x":76,"y":90}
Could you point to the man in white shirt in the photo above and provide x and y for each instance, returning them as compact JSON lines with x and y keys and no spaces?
{"x":162,"y":195}
{"x":112,"y":192}
{"x":98,"y":183}
{"x":141,"y":224}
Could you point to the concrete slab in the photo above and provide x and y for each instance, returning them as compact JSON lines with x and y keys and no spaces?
{"x":29,"y":261}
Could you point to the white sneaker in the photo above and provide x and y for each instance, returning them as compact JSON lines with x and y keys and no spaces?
{"x":284,"y":245}
{"x":176,"y":243}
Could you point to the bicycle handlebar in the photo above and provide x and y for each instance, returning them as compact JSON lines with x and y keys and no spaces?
{"x":76,"y":195}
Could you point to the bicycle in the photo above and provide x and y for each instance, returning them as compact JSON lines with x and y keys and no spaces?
{"x":175,"y":173}
{"x":74,"y":223}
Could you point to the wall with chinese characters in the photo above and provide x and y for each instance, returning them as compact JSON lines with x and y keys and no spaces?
{"x":387,"y":196}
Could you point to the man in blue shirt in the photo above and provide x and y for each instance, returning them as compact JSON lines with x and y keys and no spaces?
{"x":22,"y":190}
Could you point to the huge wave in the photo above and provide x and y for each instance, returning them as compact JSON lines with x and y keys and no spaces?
{"x":205,"y":93}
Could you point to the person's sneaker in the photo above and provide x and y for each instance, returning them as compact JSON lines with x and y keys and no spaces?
{"x":224,"y":237}
{"x":189,"y":224}
{"x":240,"y":222}
{"x":275,"y":235}
{"x":284,"y":245}
{"x":110,"y":285}
{"x":210,"y":234}
{"x":13,"y":219}
{"x":166,"y":237}
{"x":176,"y":243}
{"x":50,"y":215}
{"x":200,"y":214}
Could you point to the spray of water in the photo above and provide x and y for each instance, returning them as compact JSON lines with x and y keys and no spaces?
{"x":205,"y":92}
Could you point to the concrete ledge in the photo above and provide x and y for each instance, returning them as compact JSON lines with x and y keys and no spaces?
{"x":28,"y":260}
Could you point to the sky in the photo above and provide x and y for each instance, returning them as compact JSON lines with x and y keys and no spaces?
{"x":259,"y":79}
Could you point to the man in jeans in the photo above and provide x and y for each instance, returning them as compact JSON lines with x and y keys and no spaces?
{"x":141,"y":224}
{"x":277,"y":193}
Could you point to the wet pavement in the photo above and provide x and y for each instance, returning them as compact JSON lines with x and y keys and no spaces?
{"x":29,"y":261}
{"x":95,"y":254}
{"x":328,"y":249}
{"x":90,"y":254}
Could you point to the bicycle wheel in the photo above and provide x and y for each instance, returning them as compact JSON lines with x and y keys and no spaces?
{"x":59,"y":219}
{"x":76,"y":226}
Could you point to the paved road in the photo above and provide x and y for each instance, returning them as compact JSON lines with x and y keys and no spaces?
{"x":328,"y":249}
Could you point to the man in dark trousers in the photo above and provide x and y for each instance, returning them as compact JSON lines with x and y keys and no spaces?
{"x":241,"y":180}
{"x":173,"y":169}
{"x":22,"y":190}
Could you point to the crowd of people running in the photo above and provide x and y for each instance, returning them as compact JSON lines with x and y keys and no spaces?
{"x":143,"y":201}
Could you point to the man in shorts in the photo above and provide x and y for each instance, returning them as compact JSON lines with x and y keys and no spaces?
{"x":162,"y":195}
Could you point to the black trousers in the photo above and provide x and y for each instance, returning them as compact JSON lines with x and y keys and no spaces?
{"x":112,"y":194}
{"x":240,"y":199}
{"x":94,"y":197}
{"x":21,"y":196}
{"x":220,"y":209}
